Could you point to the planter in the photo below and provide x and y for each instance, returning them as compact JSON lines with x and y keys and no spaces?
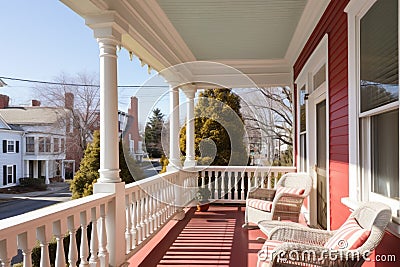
{"x":202,"y":206}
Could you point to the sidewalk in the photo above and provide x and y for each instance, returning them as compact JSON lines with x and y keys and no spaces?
{"x":53,"y":187}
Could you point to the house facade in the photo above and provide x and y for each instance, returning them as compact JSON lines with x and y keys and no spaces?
{"x":41,"y":147}
{"x":11,"y":158}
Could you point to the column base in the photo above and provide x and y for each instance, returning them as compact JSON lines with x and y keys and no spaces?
{"x":174,"y":165}
{"x":190,"y":163}
{"x":179,"y":215}
{"x":109,"y":176}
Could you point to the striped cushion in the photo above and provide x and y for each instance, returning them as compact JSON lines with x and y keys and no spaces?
{"x":265,"y":254}
{"x":259,"y":204}
{"x":290,"y":190}
{"x":349,"y":236}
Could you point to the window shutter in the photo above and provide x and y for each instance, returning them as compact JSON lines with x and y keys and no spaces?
{"x":4,"y":146}
{"x":17,"y":146}
{"x":15,"y":173}
{"x":4,"y":175}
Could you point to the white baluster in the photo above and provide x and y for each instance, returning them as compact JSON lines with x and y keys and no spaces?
{"x":203,"y":179}
{"x":158,"y":205}
{"x":254,"y":175}
{"x":263,"y":179}
{"x":143,"y":214}
{"x":150,"y":209}
{"x":84,"y":250}
{"x":216,"y":196}
{"x":223,"y":192}
{"x":73,"y":252}
{"x":139,"y":217}
{"x":94,"y":241}
{"x":134,"y":221}
{"x":43,"y":235}
{"x":26,"y":242}
{"x":154,"y":207}
{"x":103,"y":252}
{"x":236,"y":194}
{"x":241,"y":184}
{"x":58,"y":232}
{"x":248,"y":179}
{"x":7,"y":251}
{"x":128,"y":236}
{"x":228,"y":174}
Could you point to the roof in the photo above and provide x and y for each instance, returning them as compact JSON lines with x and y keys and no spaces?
{"x":32,"y":115}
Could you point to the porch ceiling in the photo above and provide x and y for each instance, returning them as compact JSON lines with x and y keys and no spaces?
{"x":261,"y":38}
{"x":235,"y":29}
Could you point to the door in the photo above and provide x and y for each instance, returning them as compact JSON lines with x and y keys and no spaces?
{"x":320,"y":167}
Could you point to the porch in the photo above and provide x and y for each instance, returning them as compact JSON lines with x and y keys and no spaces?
{"x":155,"y":229}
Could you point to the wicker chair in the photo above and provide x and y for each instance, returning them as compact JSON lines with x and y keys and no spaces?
{"x":302,"y":246}
{"x":282,"y":203}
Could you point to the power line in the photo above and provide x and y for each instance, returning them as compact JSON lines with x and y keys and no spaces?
{"x":77,"y":84}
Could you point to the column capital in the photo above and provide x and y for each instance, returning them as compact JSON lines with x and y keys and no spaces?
{"x":189,"y":91}
{"x":108,"y":25}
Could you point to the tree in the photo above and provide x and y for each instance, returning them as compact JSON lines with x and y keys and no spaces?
{"x":152,"y":134}
{"x":268,"y":115}
{"x":88,"y":173}
{"x":219,"y":129}
{"x":80,"y":96}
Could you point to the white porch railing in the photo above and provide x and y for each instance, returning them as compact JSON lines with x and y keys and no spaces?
{"x":149,"y":204}
{"x":230,"y":184}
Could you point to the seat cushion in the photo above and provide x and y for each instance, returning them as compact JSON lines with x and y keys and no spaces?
{"x":349,"y":236}
{"x":290,"y":190}
{"x":259,"y":204}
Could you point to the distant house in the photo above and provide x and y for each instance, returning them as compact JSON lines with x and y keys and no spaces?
{"x":11,"y":156}
{"x":40,"y":139}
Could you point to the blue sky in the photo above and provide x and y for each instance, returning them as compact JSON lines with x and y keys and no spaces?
{"x":42,"y":39}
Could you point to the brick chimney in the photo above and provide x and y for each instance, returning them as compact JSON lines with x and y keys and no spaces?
{"x":133,"y":123}
{"x":4,"y":100}
{"x":69,"y":101}
{"x":35,"y":103}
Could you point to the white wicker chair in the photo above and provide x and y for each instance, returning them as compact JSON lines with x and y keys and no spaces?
{"x":270,"y":204}
{"x":302,"y":246}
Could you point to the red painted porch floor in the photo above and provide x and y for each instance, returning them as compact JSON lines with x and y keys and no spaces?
{"x":212,"y":238}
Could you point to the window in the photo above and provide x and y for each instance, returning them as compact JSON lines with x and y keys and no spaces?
{"x":303,"y":134}
{"x":10,"y":174}
{"x":45,"y":144}
{"x":56,"y":145}
{"x":374,"y":121}
{"x":62,"y":145}
{"x":10,"y":146}
{"x":30,"y":144}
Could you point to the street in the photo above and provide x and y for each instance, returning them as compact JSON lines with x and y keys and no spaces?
{"x":22,"y":205}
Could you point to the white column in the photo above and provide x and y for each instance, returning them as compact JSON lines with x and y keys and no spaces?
{"x":63,"y":170}
{"x":47,"y":172}
{"x":174,"y":150}
{"x":190,"y":160}
{"x":109,"y":156}
{"x":109,"y":181}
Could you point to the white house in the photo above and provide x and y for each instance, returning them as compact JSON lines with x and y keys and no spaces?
{"x":11,"y":156}
{"x":42,"y":147}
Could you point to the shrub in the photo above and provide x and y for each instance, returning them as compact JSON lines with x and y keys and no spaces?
{"x":36,"y":183}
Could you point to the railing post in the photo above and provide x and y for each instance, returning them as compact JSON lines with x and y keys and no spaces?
{"x":178,"y":194}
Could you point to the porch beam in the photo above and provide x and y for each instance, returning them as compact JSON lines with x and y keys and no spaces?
{"x":190,"y":160}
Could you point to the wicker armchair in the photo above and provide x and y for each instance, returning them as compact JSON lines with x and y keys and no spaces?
{"x":301,"y":246}
{"x":284,"y":203}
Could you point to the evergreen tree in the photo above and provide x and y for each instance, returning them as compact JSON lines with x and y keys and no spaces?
{"x":88,"y":173}
{"x":153,"y":134}
{"x":219,"y":129}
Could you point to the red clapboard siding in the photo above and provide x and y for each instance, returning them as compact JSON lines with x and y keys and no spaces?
{"x":334,"y":23}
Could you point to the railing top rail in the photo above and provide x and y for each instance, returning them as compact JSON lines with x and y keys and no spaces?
{"x":52,"y":213}
{"x":149,"y":181}
{"x":246,"y":168}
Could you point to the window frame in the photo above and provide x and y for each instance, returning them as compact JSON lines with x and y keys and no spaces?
{"x":13,"y":144}
{"x":8,"y":174}
{"x":30,"y":144}
{"x":360,"y":182}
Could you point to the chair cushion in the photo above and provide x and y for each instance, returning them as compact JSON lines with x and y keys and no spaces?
{"x":259,"y":204}
{"x":290,"y":190}
{"x":349,"y":236}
